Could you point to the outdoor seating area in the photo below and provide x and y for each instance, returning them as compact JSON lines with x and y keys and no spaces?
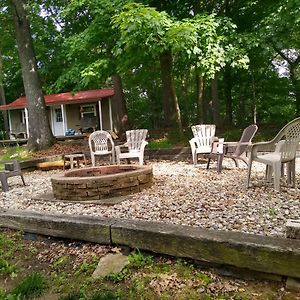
{"x":192,"y":191}
{"x":181,"y":194}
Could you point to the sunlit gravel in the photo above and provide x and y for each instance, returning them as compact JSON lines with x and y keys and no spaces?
{"x":181,"y":194}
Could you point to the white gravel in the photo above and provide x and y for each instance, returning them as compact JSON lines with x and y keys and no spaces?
{"x":181,"y":194}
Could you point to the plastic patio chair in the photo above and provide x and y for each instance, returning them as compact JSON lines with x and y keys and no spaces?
{"x":99,"y":145}
{"x":135,"y":144}
{"x":284,"y":146}
{"x":201,"y":143}
{"x":240,"y":148}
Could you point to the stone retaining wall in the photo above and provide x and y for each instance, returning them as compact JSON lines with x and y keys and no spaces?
{"x":278,"y":258}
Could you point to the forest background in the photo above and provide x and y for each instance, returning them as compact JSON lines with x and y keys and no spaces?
{"x":179,"y":62}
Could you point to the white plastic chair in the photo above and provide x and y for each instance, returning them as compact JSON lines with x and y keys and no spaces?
{"x":136,"y":142}
{"x":99,"y":145}
{"x":201,"y":143}
{"x":285,"y":144}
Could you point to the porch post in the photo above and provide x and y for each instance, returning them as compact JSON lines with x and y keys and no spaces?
{"x":26,"y":122}
{"x":110,"y":114}
{"x":9,"y":123}
{"x":100,"y":114}
{"x":63,"y":113}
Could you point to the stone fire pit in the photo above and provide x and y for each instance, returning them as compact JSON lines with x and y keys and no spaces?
{"x":101,"y":182}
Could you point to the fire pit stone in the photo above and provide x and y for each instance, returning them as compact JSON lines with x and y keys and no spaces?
{"x":101,"y":182}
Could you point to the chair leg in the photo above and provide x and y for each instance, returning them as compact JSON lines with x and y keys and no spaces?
{"x":236,"y":162}
{"x":249,"y":173}
{"x":4,"y":183}
{"x":113,"y":158}
{"x":22,"y":179}
{"x":208,"y":162}
{"x":117,"y":153}
{"x":269,"y":171}
{"x":194,"y":156}
{"x":141,"y":160}
{"x":277,"y":169}
{"x":291,"y":166}
{"x":220,"y":162}
{"x":93,"y":160}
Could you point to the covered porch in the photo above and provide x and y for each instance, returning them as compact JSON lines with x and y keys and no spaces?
{"x":69,"y":114}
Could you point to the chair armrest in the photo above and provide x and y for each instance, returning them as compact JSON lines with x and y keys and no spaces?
{"x":143,"y":145}
{"x":193,"y":145}
{"x":193,"y":140}
{"x":262,"y":147}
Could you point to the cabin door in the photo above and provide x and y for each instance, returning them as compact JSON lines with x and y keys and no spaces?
{"x":57,"y":121}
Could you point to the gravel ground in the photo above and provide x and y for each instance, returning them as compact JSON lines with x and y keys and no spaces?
{"x":181,"y":194}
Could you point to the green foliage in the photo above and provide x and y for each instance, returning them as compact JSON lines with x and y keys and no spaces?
{"x":6,"y":268}
{"x":8,"y":248}
{"x":31,"y":287}
{"x":184,"y":269}
{"x":139,"y":260}
{"x":160,"y":143}
{"x":86,"y":267}
{"x":118,"y":277}
{"x":75,"y":295}
{"x":60,"y":263}
{"x":206,"y":279}
{"x":104,"y":295}
{"x":200,"y":42}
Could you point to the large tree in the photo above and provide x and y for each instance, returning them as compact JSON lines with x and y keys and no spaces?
{"x":40,"y":134}
{"x":204,"y":42}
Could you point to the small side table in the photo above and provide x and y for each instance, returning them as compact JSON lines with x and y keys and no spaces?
{"x":74,"y":157}
{"x":217,"y":151}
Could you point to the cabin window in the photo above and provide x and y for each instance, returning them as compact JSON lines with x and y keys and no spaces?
{"x":58,"y":115}
{"x":87,"y":111}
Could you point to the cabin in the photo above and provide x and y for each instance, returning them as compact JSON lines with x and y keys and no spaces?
{"x":69,"y":113}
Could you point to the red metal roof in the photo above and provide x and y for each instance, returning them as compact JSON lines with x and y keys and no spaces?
{"x":64,"y":98}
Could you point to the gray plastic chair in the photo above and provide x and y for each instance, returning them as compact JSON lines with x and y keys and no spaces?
{"x":284,"y":146}
{"x":240,"y":148}
{"x":12,"y":168}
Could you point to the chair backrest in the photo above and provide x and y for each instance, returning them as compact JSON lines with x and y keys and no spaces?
{"x":135,"y":138}
{"x":98,"y":141}
{"x":291,"y":135}
{"x":245,"y":139}
{"x":204,"y":134}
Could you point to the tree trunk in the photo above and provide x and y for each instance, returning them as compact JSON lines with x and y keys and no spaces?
{"x":200,"y":99}
{"x":296,"y":86}
{"x":120,"y":116}
{"x":40,"y":134}
{"x":3,"y":99}
{"x":228,"y":95}
{"x":254,"y":100}
{"x":170,"y":101}
{"x":215,"y":101}
{"x":241,"y":117}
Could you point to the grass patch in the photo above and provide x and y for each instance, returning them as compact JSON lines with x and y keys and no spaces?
{"x":160,"y":144}
{"x":31,"y":287}
{"x":17,"y":153}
